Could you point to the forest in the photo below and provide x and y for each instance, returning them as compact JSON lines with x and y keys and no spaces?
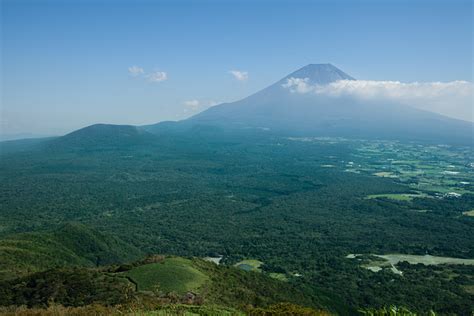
{"x":299,"y":206}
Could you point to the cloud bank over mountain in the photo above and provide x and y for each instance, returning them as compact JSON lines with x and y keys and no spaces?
{"x":454,"y":99}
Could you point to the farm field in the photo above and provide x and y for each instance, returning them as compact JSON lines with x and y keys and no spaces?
{"x":426,"y":259}
{"x":377,"y":263}
{"x":437,"y":170}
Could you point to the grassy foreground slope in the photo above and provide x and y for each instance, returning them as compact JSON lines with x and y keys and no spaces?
{"x":157,"y":282}
{"x":282,"y":309}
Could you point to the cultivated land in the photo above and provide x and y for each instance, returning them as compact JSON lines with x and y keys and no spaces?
{"x":468,"y":213}
{"x":376,"y":263}
{"x":426,"y":259}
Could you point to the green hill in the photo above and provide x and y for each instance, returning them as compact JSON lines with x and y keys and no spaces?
{"x":70,"y":245}
{"x":157,"y":282}
{"x":102,"y":137}
{"x":172,"y":275}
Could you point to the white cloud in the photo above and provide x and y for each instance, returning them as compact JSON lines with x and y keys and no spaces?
{"x":239,"y":75}
{"x":299,"y":85}
{"x":213,"y":103}
{"x":453,"y":98}
{"x":192,"y":104}
{"x":157,"y":76}
{"x":135,"y":71}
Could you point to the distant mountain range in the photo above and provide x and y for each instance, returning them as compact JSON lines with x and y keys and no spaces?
{"x":278,"y":110}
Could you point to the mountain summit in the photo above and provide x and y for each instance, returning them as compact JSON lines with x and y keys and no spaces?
{"x":319,"y":74}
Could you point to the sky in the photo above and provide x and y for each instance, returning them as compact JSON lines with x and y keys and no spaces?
{"x":69,"y":64}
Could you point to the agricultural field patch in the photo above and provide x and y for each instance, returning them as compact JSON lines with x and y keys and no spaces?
{"x":435,"y":170}
{"x":468,"y":213}
{"x":395,"y":196}
{"x":376,"y":263}
{"x":426,"y":259}
{"x":384,"y":174}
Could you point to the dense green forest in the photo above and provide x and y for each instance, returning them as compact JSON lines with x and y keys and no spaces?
{"x":300,"y":206}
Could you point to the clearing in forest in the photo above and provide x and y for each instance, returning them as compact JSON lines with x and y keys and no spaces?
{"x":249,"y":265}
{"x":172,"y":275}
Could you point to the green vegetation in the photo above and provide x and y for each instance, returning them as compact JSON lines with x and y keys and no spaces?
{"x":390,"y":311}
{"x":190,"y":310}
{"x":175,"y":281}
{"x":395,"y":196}
{"x":65,"y":286}
{"x":281,"y":309}
{"x":70,"y":245}
{"x":171,"y":275}
{"x":278,"y":276}
{"x":243,"y":196}
{"x":286,"y":309}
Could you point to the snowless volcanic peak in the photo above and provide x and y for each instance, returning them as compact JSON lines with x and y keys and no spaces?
{"x":319,"y":74}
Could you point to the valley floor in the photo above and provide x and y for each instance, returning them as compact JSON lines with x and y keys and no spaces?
{"x":296,"y":206}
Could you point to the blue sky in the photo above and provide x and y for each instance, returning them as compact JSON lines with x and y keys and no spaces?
{"x":65,"y":64}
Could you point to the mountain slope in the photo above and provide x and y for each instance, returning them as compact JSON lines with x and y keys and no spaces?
{"x":280,"y":110}
{"x":221,"y":286}
{"x":70,"y":245}
{"x":103,"y":136}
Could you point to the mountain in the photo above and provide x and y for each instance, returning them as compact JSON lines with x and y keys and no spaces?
{"x":319,"y":74}
{"x":103,"y":136}
{"x":276,"y":110}
{"x":279,"y":110}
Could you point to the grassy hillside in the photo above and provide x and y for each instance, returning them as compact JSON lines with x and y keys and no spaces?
{"x":282,"y":309}
{"x":158,"y":281}
{"x":172,"y":275}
